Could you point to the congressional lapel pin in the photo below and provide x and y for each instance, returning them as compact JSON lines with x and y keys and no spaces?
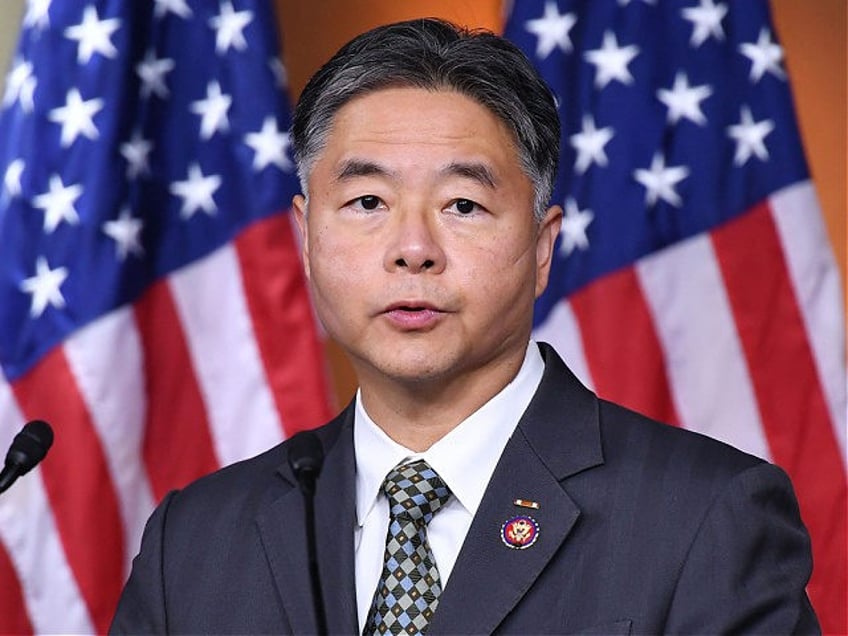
{"x":519,"y":532}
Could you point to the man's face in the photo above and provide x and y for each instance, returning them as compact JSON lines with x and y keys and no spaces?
{"x":419,"y":241}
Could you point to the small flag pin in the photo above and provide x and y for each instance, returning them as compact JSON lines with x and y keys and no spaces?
{"x":526,"y":503}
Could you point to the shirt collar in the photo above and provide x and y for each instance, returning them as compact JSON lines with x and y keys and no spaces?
{"x":477,"y":441}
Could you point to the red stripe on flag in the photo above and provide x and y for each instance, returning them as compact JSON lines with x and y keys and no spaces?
{"x":178,"y":446}
{"x":283,"y":323}
{"x":791,"y":401}
{"x":78,"y":484}
{"x":13,"y":617}
{"x":621,"y":345}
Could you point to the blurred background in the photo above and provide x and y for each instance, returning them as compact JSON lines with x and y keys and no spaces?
{"x":707,"y":290}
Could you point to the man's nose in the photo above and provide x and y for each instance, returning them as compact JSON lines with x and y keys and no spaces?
{"x":414,"y":244}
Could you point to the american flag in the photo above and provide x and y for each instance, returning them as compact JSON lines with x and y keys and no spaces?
{"x":694,"y":281}
{"x":152,"y":304}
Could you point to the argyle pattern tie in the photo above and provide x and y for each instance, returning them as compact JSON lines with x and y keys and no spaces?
{"x":409,"y":587}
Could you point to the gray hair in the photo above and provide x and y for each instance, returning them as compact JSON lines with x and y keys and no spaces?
{"x":436,"y":55}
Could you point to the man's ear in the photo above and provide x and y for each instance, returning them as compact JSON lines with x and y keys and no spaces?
{"x":545,"y":238}
{"x":299,"y":209}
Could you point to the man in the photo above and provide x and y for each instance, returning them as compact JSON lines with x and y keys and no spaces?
{"x":474,"y":486}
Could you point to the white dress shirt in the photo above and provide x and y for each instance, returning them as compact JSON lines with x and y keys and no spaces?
{"x":465,"y":459}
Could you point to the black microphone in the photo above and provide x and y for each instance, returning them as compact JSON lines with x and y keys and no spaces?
{"x":28,"y":448}
{"x":306,"y":456}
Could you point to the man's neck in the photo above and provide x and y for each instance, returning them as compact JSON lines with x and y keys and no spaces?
{"x":418,"y":414}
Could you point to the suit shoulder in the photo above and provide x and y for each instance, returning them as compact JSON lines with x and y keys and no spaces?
{"x":239,"y":475}
{"x":253,"y":479}
{"x":628,"y":436}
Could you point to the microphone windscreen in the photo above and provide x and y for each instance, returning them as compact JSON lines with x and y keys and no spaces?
{"x":306,"y":453}
{"x":30,"y":446}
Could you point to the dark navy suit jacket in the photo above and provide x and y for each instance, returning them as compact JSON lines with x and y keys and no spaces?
{"x":644,"y":528}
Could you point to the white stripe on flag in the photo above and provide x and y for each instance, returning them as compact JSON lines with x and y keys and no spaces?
{"x":106,"y":360}
{"x":210,"y":299}
{"x":29,"y":532}
{"x":815,"y":280}
{"x":562,"y":332}
{"x":704,"y":360}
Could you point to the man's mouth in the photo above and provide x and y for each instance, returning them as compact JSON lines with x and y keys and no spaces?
{"x":413,"y":315}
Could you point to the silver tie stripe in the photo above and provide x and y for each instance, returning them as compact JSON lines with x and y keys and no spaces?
{"x":409,"y":587}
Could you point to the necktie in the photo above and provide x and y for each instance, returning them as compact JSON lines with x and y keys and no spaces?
{"x":409,"y":587}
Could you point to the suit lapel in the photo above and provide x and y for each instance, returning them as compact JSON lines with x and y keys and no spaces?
{"x":282,"y":530}
{"x":489,"y":577}
{"x":335,"y":512}
{"x":558,"y":436}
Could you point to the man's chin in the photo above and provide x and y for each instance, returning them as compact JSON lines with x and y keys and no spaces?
{"x":407,"y":368}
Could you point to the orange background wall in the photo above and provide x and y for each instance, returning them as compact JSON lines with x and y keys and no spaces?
{"x":813,"y":34}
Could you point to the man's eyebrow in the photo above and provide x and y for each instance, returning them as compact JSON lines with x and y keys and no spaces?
{"x":351,"y":168}
{"x":479,"y":172}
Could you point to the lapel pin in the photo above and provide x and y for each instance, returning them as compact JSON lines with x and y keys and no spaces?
{"x":520,"y":532}
{"x":526,"y":503}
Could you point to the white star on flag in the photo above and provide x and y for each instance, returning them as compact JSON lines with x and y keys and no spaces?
{"x":684,"y":101}
{"x":589,"y":144}
{"x":611,"y":61}
{"x":624,"y":3}
{"x":270,"y":146}
{"x":212,"y":110}
{"x":177,"y":7}
{"x":573,"y":230}
{"x":659,"y":181}
{"x":93,"y":35}
{"x":125,"y":232}
{"x":552,"y":30}
{"x":152,"y":73}
{"x":229,"y":27}
{"x":12,"y":178}
{"x":44,"y":287}
{"x":20,"y":85}
{"x":196,"y":192}
{"x":37,"y":14}
{"x":749,"y":136}
{"x":765,"y":56}
{"x":136,"y":151}
{"x":58,"y":203}
{"x":706,"y":21}
{"x":76,"y":117}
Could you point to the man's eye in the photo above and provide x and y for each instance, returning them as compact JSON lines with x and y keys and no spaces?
{"x":369,"y":202}
{"x":465,"y":206}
